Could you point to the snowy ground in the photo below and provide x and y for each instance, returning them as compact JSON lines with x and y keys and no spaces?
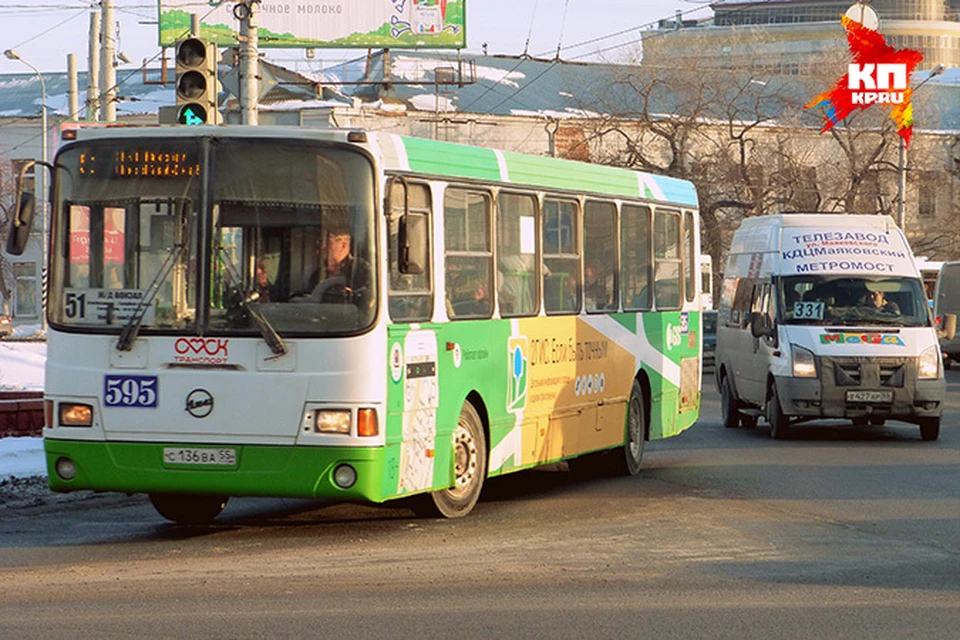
{"x":21,"y":365}
{"x":21,"y":369}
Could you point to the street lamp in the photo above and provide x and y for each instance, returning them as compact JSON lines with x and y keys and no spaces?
{"x":902,"y":160}
{"x":41,"y":175}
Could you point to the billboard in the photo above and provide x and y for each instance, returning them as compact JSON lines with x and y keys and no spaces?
{"x":324,"y":24}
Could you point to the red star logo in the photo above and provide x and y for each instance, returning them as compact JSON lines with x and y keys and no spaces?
{"x":869,"y":48}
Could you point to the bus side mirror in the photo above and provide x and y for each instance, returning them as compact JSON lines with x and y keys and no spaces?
{"x":412,"y":244}
{"x":20,"y":224}
{"x":760,"y":325}
{"x":949,"y":330}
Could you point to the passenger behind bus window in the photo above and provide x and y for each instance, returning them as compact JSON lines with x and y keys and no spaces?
{"x":468,"y":293}
{"x":262,"y":285}
{"x":877,"y":301}
{"x":341,"y":277}
{"x":596,"y":294}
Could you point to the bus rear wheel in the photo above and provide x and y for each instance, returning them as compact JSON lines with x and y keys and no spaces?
{"x":186,"y":508}
{"x":470,"y":470}
{"x":635,"y":437}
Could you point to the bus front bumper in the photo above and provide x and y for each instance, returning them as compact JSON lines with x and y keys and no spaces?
{"x":277,"y":471}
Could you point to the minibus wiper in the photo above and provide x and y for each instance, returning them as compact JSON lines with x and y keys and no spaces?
{"x":130,"y":330}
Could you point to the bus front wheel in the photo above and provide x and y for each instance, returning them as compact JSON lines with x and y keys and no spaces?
{"x":186,"y":508}
{"x":470,"y":470}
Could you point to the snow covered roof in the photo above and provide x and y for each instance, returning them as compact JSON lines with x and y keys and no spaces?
{"x":475,"y":84}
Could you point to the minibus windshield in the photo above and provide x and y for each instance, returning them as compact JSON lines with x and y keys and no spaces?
{"x":853,"y":300}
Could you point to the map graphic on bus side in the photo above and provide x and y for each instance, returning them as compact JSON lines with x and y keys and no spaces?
{"x":421,"y":397}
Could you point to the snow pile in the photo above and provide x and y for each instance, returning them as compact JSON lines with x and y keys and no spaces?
{"x":21,"y":365}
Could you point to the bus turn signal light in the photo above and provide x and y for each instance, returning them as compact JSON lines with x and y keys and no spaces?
{"x":367,"y":422}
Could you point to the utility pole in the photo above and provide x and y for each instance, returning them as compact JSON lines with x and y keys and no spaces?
{"x":246,"y":12}
{"x":108,"y":72}
{"x":72,"y":100}
{"x":902,"y":159}
{"x":93,"y":68}
{"x":901,"y":183}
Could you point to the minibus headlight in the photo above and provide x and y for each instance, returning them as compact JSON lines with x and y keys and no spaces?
{"x":75,"y":415}
{"x":929,"y":365}
{"x":332,"y":421}
{"x":804,"y":365}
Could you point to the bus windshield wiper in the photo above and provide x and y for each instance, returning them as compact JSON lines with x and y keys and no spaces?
{"x":130,"y":330}
{"x":245,"y":302}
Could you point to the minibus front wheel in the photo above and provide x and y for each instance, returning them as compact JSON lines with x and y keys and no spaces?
{"x":929,"y":429}
{"x":779,"y":423}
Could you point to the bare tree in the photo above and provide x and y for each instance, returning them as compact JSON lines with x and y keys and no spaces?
{"x":722,"y":128}
{"x":7,"y":196}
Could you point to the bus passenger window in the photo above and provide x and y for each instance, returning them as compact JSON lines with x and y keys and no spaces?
{"x":411,"y":295}
{"x":635,"y":257}
{"x":516,"y":255}
{"x":561,"y":260}
{"x":666,"y":248}
{"x":599,"y":256}
{"x":468,"y":254}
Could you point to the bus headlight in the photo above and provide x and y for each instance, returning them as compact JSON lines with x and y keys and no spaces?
{"x":75,"y":415}
{"x":929,"y":365}
{"x":332,"y":421}
{"x":804,"y":365}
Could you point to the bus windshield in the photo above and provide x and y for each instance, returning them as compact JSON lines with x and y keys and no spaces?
{"x":290,"y":228}
{"x":853,"y":301}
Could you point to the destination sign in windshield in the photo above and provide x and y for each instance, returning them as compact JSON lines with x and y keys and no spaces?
{"x":104,"y":307}
{"x":137,"y":162}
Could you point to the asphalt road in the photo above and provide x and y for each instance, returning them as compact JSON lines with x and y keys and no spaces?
{"x":840,"y":532}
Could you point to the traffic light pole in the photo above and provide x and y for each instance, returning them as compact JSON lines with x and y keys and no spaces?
{"x":108,"y":73}
{"x":249,"y":61}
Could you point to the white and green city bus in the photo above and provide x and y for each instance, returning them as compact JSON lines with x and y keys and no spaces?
{"x":513,"y":311}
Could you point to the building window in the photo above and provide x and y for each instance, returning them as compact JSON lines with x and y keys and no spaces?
{"x":927,"y":198}
{"x":25,"y":291}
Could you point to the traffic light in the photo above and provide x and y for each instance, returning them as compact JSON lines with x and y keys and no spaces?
{"x":197,"y":85}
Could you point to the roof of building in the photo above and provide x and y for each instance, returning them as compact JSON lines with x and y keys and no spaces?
{"x":473,"y":84}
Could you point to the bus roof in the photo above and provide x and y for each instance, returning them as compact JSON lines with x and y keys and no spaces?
{"x":480,"y":163}
{"x":446,"y":159}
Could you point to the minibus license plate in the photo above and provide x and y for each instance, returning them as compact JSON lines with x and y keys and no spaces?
{"x":869,"y":396}
{"x":194,"y":455}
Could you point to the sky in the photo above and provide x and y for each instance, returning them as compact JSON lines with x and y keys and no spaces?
{"x":43,"y":32}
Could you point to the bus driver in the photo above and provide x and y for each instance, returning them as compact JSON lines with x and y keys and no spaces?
{"x":341,"y":277}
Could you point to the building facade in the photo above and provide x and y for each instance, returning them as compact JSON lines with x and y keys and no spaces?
{"x":788,"y":36}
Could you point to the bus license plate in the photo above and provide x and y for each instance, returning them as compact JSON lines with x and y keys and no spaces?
{"x":869,"y":396}
{"x":194,"y":455}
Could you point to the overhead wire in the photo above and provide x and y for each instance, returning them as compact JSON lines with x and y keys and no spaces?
{"x":490,"y":89}
{"x":103,"y":92}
